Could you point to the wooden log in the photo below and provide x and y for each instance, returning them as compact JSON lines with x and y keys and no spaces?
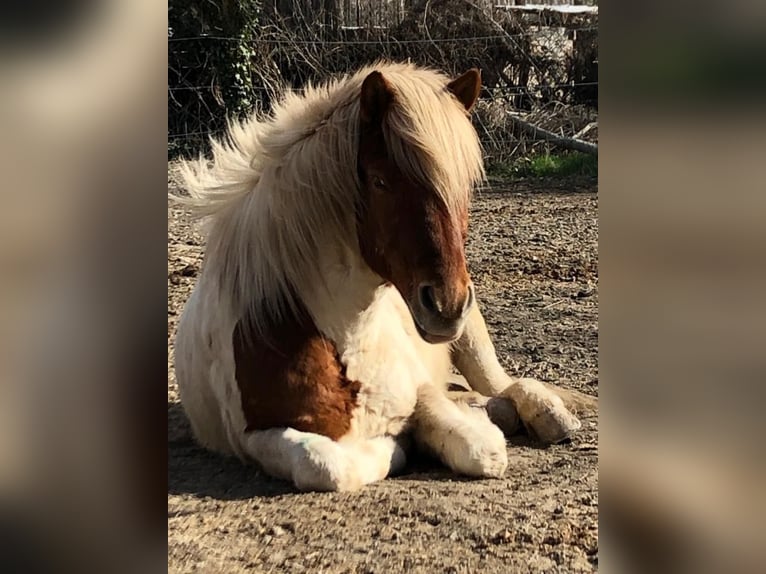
{"x":539,"y":133}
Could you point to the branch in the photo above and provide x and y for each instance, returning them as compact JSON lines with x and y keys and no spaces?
{"x":565,"y":142}
{"x":585,"y":130}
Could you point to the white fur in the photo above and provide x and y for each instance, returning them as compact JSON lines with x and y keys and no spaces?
{"x":403,"y":388}
{"x":315,"y":462}
{"x":460,"y":435}
{"x":281,"y":191}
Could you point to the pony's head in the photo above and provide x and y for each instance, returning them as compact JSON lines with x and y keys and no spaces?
{"x":418,"y":159}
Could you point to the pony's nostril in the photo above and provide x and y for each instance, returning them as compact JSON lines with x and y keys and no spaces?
{"x":428,"y":298}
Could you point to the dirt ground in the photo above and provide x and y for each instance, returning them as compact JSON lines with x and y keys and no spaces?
{"x":533,"y":257}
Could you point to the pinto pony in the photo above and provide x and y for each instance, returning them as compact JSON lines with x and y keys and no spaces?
{"x":334,"y":296}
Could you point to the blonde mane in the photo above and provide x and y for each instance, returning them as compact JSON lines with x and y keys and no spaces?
{"x":283,"y":188}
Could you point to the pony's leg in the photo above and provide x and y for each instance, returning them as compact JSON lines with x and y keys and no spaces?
{"x":460,"y":435}
{"x":540,"y":407}
{"x":316,"y":462}
{"x":501,"y":410}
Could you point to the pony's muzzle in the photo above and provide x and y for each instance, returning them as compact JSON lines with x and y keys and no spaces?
{"x":438,"y":314}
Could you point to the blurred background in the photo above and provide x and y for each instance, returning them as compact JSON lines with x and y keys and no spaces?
{"x":82,"y":233}
{"x":682,"y":254}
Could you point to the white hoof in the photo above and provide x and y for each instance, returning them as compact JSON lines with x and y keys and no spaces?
{"x":542,"y":411}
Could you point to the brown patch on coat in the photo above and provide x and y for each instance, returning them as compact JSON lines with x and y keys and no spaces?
{"x":295,"y":380}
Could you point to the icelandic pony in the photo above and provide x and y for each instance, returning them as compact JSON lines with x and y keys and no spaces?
{"x":334,"y":296}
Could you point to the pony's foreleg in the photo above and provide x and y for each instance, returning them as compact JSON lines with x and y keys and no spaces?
{"x":541,"y":407}
{"x":316,"y":462}
{"x":460,"y":435}
{"x":500,"y":410}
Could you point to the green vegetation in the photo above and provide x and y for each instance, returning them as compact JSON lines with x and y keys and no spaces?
{"x":546,"y":165}
{"x":210,"y":79}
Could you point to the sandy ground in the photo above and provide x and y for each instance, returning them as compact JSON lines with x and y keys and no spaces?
{"x":533,"y":256}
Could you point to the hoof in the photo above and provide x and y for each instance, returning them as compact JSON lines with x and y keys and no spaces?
{"x":542,"y":411}
{"x":553,"y":426}
{"x":503,"y":413}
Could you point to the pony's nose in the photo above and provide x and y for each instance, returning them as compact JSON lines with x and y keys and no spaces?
{"x":437,"y":301}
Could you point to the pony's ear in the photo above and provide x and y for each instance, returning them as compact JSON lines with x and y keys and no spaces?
{"x":375,"y":98}
{"x":466,"y":88}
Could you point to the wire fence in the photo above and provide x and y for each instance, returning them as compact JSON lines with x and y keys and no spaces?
{"x":404,"y":42}
{"x":545,"y":69}
{"x":500,"y":90}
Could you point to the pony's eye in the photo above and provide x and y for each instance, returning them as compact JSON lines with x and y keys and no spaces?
{"x":378,"y":183}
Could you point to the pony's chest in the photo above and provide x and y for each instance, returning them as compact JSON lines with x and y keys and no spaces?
{"x":384,"y":353}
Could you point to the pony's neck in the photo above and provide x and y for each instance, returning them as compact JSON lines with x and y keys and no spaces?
{"x":350,"y":287}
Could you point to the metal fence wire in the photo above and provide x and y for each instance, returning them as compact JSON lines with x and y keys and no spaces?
{"x":537,"y":60}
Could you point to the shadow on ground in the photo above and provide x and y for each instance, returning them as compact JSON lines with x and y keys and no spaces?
{"x":196,"y":471}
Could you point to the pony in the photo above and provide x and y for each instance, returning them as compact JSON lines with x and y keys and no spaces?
{"x":334,"y":297}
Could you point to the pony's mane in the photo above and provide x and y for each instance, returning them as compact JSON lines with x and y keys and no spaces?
{"x":282,"y":188}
